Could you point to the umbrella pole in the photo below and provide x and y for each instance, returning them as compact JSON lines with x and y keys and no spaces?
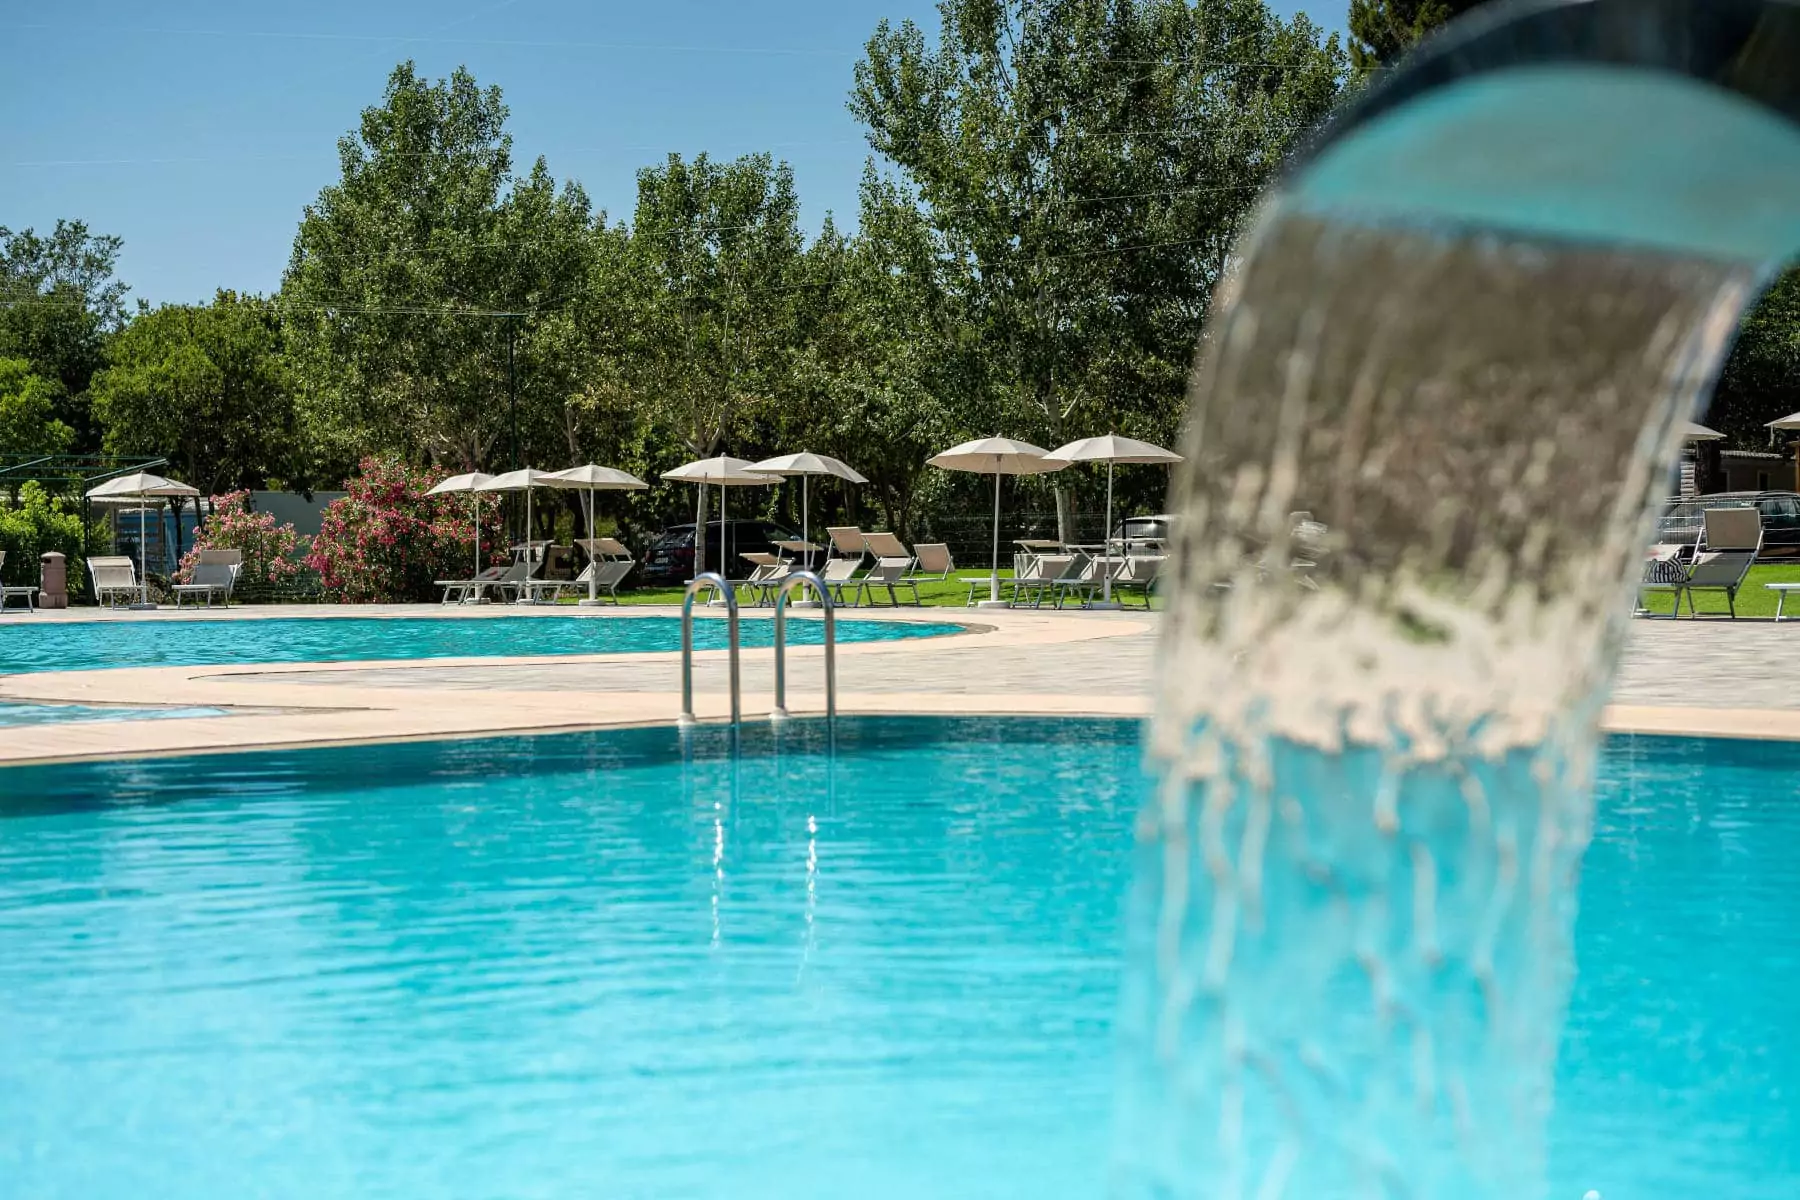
{"x":593,"y":568}
{"x":805,"y":521}
{"x":994,"y":572}
{"x":143,"y":568}
{"x":1106,"y":587}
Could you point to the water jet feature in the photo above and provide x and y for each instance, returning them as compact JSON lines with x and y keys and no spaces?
{"x":1463,"y":340}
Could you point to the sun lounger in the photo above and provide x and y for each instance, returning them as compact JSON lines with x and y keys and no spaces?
{"x":840,"y":574}
{"x":892,"y":570}
{"x":17,"y":592}
{"x":1084,"y":577}
{"x":847,"y":542}
{"x":472,"y":591}
{"x":115,"y":580}
{"x":215,"y":573}
{"x":1732,"y":539}
{"x":1138,"y":574}
{"x":932,"y":563}
{"x":768,"y":570}
{"x":1041,"y":577}
{"x":609,"y":562}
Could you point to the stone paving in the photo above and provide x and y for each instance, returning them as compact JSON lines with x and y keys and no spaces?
{"x":1694,"y":664}
{"x":1704,"y":678}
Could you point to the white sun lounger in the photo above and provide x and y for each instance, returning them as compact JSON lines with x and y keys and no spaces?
{"x":215,"y":574}
{"x":17,"y":592}
{"x":115,"y":579}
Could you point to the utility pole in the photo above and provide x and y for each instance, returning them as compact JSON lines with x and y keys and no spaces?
{"x":512,"y":385}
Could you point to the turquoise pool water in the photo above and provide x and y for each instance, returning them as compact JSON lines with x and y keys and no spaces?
{"x":94,"y":645}
{"x":584,"y":966}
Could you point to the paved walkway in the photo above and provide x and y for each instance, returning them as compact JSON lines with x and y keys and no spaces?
{"x":1710,"y":677}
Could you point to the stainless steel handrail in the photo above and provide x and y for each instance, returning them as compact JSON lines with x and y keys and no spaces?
{"x":788,"y":584}
{"x":718,"y":583}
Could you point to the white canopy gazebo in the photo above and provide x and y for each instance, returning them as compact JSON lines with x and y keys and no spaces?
{"x":142,"y":486}
{"x":1112,"y":450}
{"x":996,"y":456}
{"x":723,"y":472}
{"x":593,"y":479}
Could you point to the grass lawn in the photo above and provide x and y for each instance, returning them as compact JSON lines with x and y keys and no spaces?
{"x":1753,"y":599}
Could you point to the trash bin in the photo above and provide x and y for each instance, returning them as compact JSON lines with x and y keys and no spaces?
{"x":53,"y":586}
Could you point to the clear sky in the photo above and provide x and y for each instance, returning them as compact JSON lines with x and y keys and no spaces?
{"x":197,"y":129}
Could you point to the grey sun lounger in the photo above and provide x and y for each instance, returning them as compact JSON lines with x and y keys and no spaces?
{"x":1138,"y":574}
{"x":215,"y":574}
{"x":1729,"y":546}
{"x":609,"y":562}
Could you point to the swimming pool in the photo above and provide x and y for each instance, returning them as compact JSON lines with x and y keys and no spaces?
{"x":95,"y":645}
{"x":582,"y":965}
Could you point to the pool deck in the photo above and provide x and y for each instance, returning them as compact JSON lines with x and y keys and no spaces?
{"x":1695,"y":678}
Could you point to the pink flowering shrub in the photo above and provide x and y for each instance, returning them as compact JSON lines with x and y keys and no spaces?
{"x":268,"y":549}
{"x":387,"y":540}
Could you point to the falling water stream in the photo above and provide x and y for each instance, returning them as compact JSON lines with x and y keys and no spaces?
{"x":1425,"y":435}
{"x":1418,"y":470}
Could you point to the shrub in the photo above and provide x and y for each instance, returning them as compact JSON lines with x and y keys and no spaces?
{"x":38,"y":524}
{"x":387,"y":540}
{"x":268,"y":549}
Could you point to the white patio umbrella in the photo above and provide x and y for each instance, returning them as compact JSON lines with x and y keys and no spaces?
{"x":471,"y":483}
{"x":1111,"y":450}
{"x":806,"y":466}
{"x":1697,"y":432}
{"x":996,"y":456}
{"x":723,"y":472}
{"x":142,"y":486}
{"x":522,"y":480}
{"x":595,"y":479}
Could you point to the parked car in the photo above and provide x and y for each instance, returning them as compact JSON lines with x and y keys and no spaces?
{"x":1683,"y":520}
{"x":670,"y":558}
{"x":1142,"y":535}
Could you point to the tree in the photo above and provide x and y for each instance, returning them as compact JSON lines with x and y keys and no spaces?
{"x":420,"y":283}
{"x":206,"y":386}
{"x":59,"y":303}
{"x":695,"y":311}
{"x":1760,"y":381}
{"x":1087,"y":165}
{"x":28,"y":423}
{"x":881,"y":359}
{"x":1383,"y":30}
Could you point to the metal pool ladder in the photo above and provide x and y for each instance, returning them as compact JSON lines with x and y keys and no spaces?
{"x":709,"y":580}
{"x":713,"y":581}
{"x":803,"y":580}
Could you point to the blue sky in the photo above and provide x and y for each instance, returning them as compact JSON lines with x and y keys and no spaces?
{"x":198,"y":129}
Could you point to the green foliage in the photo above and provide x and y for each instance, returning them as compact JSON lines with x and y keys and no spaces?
{"x":58,"y":304}
{"x":1086,"y":169}
{"x":35,"y":524}
{"x":28,"y":424}
{"x":1383,"y":30}
{"x":205,"y":385}
{"x":387,"y":540}
{"x":404,"y":272}
{"x":1761,"y":378}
